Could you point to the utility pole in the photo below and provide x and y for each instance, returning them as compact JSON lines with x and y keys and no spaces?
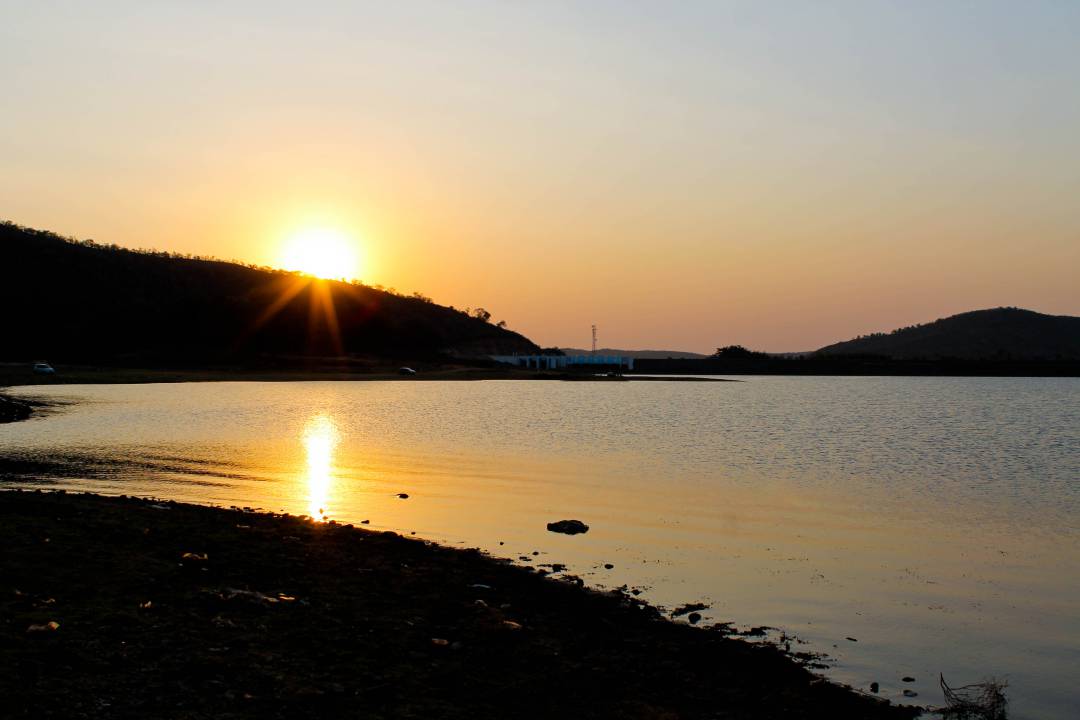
{"x":593,"y":339}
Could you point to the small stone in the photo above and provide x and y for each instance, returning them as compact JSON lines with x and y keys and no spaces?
{"x":852,"y":639}
{"x":609,"y":566}
{"x":910,"y":693}
{"x":693,"y":618}
{"x":51,"y":626}
{"x":874,"y":687}
{"x":908,"y":678}
{"x":403,"y":496}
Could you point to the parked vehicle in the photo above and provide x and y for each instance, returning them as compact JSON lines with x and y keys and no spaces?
{"x":43,"y":368}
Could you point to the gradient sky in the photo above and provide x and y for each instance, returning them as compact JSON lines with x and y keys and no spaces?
{"x":685,"y":175}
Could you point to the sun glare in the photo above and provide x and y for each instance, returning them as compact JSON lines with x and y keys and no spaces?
{"x":322,"y":252}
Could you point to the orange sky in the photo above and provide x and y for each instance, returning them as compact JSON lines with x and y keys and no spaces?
{"x":780,"y":177}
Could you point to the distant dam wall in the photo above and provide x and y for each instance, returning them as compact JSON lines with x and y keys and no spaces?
{"x":561,"y":362}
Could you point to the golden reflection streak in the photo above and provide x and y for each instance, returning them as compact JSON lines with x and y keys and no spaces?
{"x":320,"y":437}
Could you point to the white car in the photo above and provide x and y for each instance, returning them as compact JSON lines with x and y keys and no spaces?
{"x":42,"y":368}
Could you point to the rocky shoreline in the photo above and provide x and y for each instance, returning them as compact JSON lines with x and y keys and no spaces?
{"x":12,"y":410}
{"x":116,"y":607}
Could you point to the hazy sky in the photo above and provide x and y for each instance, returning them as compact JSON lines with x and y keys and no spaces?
{"x":685,"y":175}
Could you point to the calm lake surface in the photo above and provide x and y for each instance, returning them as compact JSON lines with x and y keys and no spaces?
{"x":934,"y":520}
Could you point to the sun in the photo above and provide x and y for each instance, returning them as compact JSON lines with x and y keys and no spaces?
{"x":322,"y":252}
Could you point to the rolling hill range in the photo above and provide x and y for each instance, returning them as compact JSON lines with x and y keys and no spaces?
{"x":80,"y":301}
{"x":998,"y":334}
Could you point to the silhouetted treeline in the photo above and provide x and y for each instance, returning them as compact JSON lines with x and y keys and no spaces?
{"x":78,"y":301}
{"x":738,"y":352}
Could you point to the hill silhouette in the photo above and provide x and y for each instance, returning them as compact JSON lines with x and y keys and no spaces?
{"x":997,"y":334}
{"x":78,"y":301}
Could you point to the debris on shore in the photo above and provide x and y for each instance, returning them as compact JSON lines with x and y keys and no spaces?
{"x":980,"y":701}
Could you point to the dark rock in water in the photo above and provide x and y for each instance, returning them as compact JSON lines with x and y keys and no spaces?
{"x":403,"y":496}
{"x":608,"y":566}
{"x":852,"y":639}
{"x":910,"y":693}
{"x":568,"y":527}
{"x":688,"y":608}
{"x":908,"y":678}
{"x":874,"y":687}
{"x":12,"y":410}
{"x":694,"y":618}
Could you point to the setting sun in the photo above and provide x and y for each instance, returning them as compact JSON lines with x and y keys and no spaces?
{"x":322,"y":252}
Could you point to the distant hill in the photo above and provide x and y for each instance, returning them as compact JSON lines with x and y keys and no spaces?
{"x":998,"y":334}
{"x":650,"y":354}
{"x":80,"y":301}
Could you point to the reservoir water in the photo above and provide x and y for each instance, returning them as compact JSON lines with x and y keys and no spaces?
{"x":901,"y":526}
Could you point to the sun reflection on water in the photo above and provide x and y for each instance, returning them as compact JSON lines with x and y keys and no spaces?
{"x":320,"y":436}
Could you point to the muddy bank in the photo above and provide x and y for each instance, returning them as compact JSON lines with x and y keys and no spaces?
{"x":124,"y":608}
